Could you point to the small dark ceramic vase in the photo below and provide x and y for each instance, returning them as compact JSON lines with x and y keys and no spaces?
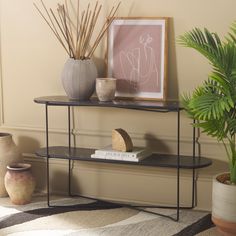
{"x":19,"y":183}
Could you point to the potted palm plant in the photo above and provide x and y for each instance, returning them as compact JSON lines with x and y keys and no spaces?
{"x":213,"y":106}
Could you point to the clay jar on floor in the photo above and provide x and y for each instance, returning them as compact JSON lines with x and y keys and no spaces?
{"x":8,"y":154}
{"x":19,"y":183}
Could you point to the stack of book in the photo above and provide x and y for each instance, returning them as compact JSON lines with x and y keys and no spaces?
{"x":136,"y":155}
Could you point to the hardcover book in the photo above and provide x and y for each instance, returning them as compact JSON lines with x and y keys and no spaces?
{"x":137,"y":154}
{"x":134,"y":159}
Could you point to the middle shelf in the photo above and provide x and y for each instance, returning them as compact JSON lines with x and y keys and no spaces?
{"x":155,"y":160}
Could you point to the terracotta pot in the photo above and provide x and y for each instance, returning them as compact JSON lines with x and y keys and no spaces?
{"x":78,"y":78}
{"x":20,"y":183}
{"x":224,"y":206}
{"x":8,"y":154}
{"x":105,"y":89}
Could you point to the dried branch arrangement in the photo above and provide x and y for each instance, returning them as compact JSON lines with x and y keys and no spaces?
{"x":76,"y":37}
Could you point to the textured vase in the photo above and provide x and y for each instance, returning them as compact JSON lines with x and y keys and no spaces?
{"x":20,"y":183}
{"x":78,"y":78}
{"x":105,"y":89}
{"x":8,"y":154}
{"x":224,"y":206}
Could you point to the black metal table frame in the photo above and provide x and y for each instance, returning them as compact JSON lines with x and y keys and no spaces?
{"x":177,"y":207}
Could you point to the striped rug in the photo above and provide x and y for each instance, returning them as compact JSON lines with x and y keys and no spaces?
{"x":93,"y":218}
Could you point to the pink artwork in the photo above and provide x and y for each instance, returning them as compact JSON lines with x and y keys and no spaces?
{"x":136,"y":57}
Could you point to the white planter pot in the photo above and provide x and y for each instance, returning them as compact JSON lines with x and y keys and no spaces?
{"x":8,"y":154}
{"x":224,"y":207}
{"x":78,"y":78}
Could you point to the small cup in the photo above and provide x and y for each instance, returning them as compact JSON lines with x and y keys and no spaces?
{"x":105,"y":89}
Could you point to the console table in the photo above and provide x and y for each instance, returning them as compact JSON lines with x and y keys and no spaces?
{"x":70,"y":153}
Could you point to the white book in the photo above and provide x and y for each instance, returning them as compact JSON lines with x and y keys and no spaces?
{"x":138,"y":152}
{"x":134,"y":159}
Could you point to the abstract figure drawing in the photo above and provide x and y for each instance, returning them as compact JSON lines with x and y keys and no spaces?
{"x":142,"y":62}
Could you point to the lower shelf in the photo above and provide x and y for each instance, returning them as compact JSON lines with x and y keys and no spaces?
{"x":156,"y":159}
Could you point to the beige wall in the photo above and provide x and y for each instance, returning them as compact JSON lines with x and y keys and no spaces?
{"x":31,"y":63}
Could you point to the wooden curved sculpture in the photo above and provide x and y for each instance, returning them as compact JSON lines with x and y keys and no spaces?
{"x":121,"y":141}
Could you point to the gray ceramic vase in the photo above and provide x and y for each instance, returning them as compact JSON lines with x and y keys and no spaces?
{"x":78,"y":78}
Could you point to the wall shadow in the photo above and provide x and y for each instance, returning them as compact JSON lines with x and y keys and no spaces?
{"x":156,"y":144}
{"x":172,"y":78}
{"x":27,"y":144}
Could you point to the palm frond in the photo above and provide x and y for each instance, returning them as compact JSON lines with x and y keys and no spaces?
{"x":204,"y":42}
{"x":214,"y":128}
{"x":230,"y":126}
{"x":209,"y":106}
{"x":221,"y":55}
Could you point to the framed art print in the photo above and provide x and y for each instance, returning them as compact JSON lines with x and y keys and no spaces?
{"x":137,"y":57}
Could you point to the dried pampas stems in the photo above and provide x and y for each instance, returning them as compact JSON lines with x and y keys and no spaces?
{"x":76,"y":37}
